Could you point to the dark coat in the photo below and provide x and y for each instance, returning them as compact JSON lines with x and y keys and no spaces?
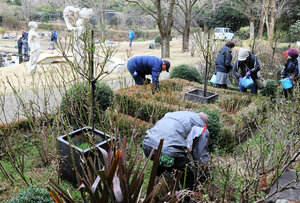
{"x":250,"y":64}
{"x":147,"y":65}
{"x":290,"y":68}
{"x":223,"y":62}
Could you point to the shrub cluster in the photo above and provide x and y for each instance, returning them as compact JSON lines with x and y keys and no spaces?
{"x":186,"y":72}
{"x":214,"y":128}
{"x":32,"y":194}
{"x":76,"y":101}
{"x":271,"y":89}
{"x":158,"y":39}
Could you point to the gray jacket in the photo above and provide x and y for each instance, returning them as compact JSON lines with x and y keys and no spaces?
{"x":174,"y":128}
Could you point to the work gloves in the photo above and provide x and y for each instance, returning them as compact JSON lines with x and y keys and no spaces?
{"x":248,"y":74}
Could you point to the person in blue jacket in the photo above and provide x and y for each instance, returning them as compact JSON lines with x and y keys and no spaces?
{"x":131,"y":36}
{"x":53,"y":38}
{"x":183,"y":132}
{"x":223,"y":65}
{"x":249,"y":66}
{"x":140,"y":66}
{"x":25,"y":43}
{"x":291,"y":68}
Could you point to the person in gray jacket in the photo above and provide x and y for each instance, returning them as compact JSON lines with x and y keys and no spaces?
{"x":183,"y":132}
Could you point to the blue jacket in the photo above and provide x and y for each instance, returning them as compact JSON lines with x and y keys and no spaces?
{"x":174,"y":128}
{"x":251,"y":64}
{"x":223,"y":62}
{"x":290,"y":67}
{"x":147,"y":65}
{"x":131,"y":34}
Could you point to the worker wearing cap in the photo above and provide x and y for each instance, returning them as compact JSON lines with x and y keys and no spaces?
{"x":248,"y":65}
{"x":140,"y":66}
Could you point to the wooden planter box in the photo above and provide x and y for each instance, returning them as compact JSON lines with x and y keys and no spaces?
{"x":196,"y":95}
{"x":67,"y":171}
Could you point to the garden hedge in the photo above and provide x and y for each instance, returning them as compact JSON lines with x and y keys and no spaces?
{"x":186,"y":72}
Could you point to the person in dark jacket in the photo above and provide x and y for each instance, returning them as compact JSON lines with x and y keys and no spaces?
{"x":183,"y":132}
{"x":291,"y":69}
{"x":140,"y":66}
{"x":248,"y":65}
{"x":223,"y":65}
{"x":53,"y":39}
{"x":24,"y":35}
{"x":20,"y":46}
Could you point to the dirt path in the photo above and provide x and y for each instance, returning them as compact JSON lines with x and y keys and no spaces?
{"x":18,"y":76}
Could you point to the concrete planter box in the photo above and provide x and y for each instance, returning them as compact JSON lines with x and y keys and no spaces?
{"x":67,"y":170}
{"x":196,"y":95}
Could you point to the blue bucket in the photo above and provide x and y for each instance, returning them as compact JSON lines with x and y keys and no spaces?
{"x":287,"y":83}
{"x":213,"y":79}
{"x":247,"y":82}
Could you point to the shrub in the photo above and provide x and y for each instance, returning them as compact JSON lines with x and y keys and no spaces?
{"x":270,"y":89}
{"x":75,"y":102}
{"x":158,"y":39}
{"x":243,"y":32}
{"x":32,"y":194}
{"x":186,"y":72}
{"x":214,"y":128}
{"x":2,"y":30}
{"x":295,"y":31}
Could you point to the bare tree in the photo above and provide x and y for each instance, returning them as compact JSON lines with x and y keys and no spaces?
{"x":248,"y":7}
{"x":27,"y":9}
{"x":273,"y":10}
{"x":183,"y":18}
{"x":162,"y":12}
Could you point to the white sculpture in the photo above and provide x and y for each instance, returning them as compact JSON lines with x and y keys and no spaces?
{"x":75,"y":20}
{"x":34,"y":44}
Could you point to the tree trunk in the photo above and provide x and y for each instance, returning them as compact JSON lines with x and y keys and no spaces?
{"x":251,"y":28}
{"x":261,"y":24}
{"x":186,"y":31}
{"x":186,"y":38}
{"x":272,"y":20}
{"x":165,"y":48}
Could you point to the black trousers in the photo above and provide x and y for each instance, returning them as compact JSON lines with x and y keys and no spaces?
{"x":180,"y":165}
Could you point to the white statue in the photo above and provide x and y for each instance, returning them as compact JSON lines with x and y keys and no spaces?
{"x":75,"y":20}
{"x":34,"y":44}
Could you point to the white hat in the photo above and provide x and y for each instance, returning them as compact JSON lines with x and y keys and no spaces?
{"x":243,"y":54}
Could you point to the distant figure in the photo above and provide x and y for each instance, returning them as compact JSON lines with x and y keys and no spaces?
{"x":291,"y":68}
{"x":25,"y":35}
{"x":25,"y":43}
{"x":20,"y":46}
{"x":131,"y":36}
{"x":34,"y":43}
{"x":53,"y":38}
{"x":223,"y":65}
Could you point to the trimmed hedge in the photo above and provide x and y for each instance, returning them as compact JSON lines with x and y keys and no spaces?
{"x":32,"y":194}
{"x":187,"y":72}
{"x":75,"y":102}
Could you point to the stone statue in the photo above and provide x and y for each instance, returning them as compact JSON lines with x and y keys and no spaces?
{"x":75,"y":20}
{"x":34,"y":44}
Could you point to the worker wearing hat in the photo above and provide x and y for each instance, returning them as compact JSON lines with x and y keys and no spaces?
{"x":248,"y":65}
{"x":140,"y":66}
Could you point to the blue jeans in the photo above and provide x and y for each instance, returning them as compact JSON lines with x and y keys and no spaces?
{"x":253,"y":88}
{"x":139,"y":79}
{"x":130,"y":41}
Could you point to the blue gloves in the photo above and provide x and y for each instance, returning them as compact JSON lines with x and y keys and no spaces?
{"x":248,"y":74}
